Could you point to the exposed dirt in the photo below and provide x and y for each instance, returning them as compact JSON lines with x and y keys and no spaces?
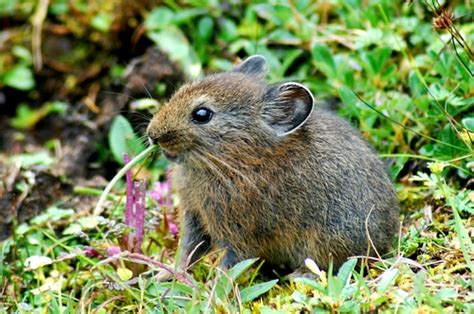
{"x":92,"y":97}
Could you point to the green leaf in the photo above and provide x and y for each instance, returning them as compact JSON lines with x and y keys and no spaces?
{"x":9,"y":7}
{"x":5,"y":248}
{"x":311,"y":283}
{"x":346,"y":269}
{"x":397,"y":166}
{"x":377,"y":59}
{"x":33,"y":159}
{"x":228,"y":30}
{"x":387,"y":280}
{"x":372,"y":36}
{"x":251,"y":293}
{"x":20,"y":77}
{"x":52,"y":214}
{"x":419,"y":287}
{"x":335,"y":286}
{"x":73,"y":229}
{"x":241,"y":267}
{"x":446,"y":294}
{"x":186,"y":15}
{"x":348,"y":291}
{"x":22,"y":54}
{"x":290,"y":57}
{"x":158,"y":18}
{"x":27,"y":118}
{"x":348,"y":97}
{"x":174,"y":288}
{"x":324,"y":60}
{"x":124,"y":273}
{"x":224,"y":281}
{"x":350,"y":307}
{"x":173,"y":41}
{"x":298,"y":297}
{"x":416,"y":86}
{"x":427,"y":150}
{"x":205,"y":28}
{"x":223,"y":286}
{"x":122,"y":139}
{"x":102,"y":22}
{"x":59,"y":7}
{"x":283,"y":37}
{"x":468,"y":123}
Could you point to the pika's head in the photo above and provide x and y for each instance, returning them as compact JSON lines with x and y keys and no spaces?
{"x":230,"y":112}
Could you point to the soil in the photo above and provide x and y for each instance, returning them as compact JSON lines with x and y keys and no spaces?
{"x":93,"y":98}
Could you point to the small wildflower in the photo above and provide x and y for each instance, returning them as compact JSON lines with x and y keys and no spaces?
{"x":90,"y":252}
{"x":314,"y":268}
{"x":428,"y":212}
{"x":134,"y":211}
{"x":35,"y":262}
{"x":112,"y":250}
{"x":444,"y":20}
{"x":161,"y":192}
{"x":173,"y":228}
{"x":436,"y":167}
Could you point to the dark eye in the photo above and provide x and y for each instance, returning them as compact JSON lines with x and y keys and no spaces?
{"x":202,"y":115}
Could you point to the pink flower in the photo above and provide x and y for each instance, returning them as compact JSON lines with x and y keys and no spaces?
{"x":112,"y":250}
{"x":161,"y":192}
{"x":173,"y":228}
{"x":134,"y":210}
{"x":90,"y":252}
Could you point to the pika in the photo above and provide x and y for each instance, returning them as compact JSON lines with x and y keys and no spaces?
{"x":262,"y":172}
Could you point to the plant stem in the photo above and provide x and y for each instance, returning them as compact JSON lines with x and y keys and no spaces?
{"x":100,"y":204}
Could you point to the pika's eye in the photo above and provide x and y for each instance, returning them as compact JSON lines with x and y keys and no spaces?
{"x":202,"y":115}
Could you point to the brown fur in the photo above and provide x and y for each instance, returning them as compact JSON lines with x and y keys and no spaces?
{"x":259,"y":181}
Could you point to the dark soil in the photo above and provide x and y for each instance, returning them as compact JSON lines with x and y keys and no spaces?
{"x":93,"y":98}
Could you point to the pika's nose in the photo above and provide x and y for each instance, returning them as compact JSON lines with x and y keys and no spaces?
{"x":160,"y":138}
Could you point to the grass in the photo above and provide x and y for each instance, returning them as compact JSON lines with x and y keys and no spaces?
{"x":404,"y":75}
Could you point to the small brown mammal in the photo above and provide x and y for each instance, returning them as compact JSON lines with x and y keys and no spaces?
{"x":262,"y":172}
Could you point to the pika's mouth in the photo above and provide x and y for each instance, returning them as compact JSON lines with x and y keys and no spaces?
{"x":168,"y":148}
{"x":172,"y":156}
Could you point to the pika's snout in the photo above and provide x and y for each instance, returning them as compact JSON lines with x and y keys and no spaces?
{"x":167,"y":140}
{"x":161,"y":138}
{"x":158,"y":133}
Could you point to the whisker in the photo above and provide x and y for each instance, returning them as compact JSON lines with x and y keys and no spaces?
{"x":143,"y":125}
{"x":234,"y":170}
{"x":146,"y":90}
{"x":214,"y":169}
{"x":143,"y":139}
{"x":141,"y":115}
{"x":118,"y":94}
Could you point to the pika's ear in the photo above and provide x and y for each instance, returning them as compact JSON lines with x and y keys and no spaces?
{"x":287,"y":107}
{"x":255,"y":66}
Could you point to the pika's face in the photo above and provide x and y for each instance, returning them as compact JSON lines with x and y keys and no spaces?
{"x":204,"y":116}
{"x":228,"y":113}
